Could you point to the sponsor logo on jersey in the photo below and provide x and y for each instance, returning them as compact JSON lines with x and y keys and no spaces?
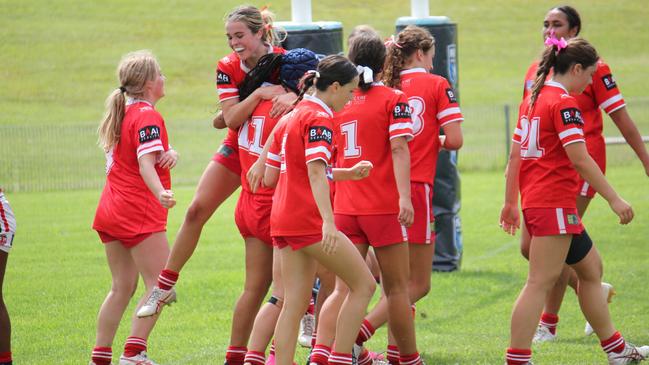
{"x":572,"y":219}
{"x":609,"y":82}
{"x":222,"y":78}
{"x":571,"y":116}
{"x":318,"y":133}
{"x":149,"y":133}
{"x":451,"y":96}
{"x":401,"y":110}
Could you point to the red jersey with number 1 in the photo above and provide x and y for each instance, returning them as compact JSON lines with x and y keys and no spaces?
{"x":306,"y":135}
{"x":253,"y":134}
{"x":364,"y":129}
{"x":433,"y":104}
{"x":547,"y":178}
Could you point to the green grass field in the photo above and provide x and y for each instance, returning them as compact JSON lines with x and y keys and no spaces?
{"x":57,"y":278}
{"x":58,"y":64}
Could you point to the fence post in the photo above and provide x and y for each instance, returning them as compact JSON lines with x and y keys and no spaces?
{"x":507,"y":130}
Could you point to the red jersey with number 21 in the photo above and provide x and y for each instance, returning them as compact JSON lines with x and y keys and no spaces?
{"x":306,"y":135}
{"x":547,"y":178}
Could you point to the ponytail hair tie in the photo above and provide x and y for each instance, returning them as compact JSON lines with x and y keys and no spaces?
{"x":314,"y":72}
{"x":392,"y":41}
{"x":368,"y":74}
{"x":122,"y":89}
{"x":560,"y":43}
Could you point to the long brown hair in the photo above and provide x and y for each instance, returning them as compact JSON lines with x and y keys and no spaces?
{"x":255,"y":20}
{"x":134,"y":70}
{"x":333,"y":68}
{"x":577,"y":51}
{"x":407,"y":42}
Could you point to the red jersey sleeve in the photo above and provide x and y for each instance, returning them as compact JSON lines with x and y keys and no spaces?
{"x":518,"y":132}
{"x":607,"y":94}
{"x":318,"y":140}
{"x":448,"y":110}
{"x":568,"y":122}
{"x":400,"y":122}
{"x":225,"y":86}
{"x":149,"y":127}
{"x":274,"y":159}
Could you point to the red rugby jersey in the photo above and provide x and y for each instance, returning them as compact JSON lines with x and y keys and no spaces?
{"x":547,"y":178}
{"x":433,"y":104}
{"x":306,"y":135}
{"x":364,"y":129}
{"x":602,"y":93}
{"x":127,"y":207}
{"x":253,"y":134}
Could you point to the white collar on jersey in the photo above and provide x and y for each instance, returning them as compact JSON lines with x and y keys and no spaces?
{"x":243,"y":65}
{"x":378,"y":83}
{"x":413,"y":70}
{"x":317,"y":100}
{"x":556,"y":84}
{"x":130,"y":101}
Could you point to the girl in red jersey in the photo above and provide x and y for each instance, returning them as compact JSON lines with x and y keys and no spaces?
{"x":375,"y":126}
{"x":548,"y":155}
{"x":302,"y":221}
{"x":7,"y":231}
{"x":601,"y":93}
{"x":131,"y":217}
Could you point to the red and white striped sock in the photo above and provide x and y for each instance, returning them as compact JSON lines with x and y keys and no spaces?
{"x":167,"y":279}
{"x":339,"y":358}
{"x":311,"y":308}
{"x":550,"y":321}
{"x":272,"y":349}
{"x":518,"y":356}
{"x":235,"y":355}
{"x":393,"y":355}
{"x":314,"y":337}
{"x":413,"y":359}
{"x":134,"y":345}
{"x":320,"y":354}
{"x":255,"y":358}
{"x":100,"y":355}
{"x":365,"y":333}
{"x":615,"y":343}
{"x":364,"y":358}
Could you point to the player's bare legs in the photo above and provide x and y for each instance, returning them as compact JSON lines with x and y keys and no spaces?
{"x":259,"y":273}
{"x":5,"y":323}
{"x":216,"y":184}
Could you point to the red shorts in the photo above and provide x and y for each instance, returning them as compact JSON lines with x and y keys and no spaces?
{"x":596,"y":150}
{"x":552,"y":221}
{"x":228,"y":156}
{"x":252,"y":216}
{"x":377,"y":230}
{"x":296,"y":242}
{"x":422,"y":230}
{"x":128,"y":242}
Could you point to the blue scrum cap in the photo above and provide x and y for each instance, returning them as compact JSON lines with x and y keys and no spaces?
{"x":295,"y":64}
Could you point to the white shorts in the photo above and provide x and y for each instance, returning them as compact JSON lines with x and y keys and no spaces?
{"x":7,"y":224}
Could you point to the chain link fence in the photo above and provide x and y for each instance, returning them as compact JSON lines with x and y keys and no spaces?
{"x":66,"y":157}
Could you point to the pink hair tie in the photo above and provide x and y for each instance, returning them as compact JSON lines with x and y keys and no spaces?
{"x":553,"y":41}
{"x":392,"y":41}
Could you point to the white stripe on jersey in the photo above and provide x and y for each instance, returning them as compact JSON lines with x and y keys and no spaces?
{"x":584,"y":189}
{"x":571,"y":132}
{"x":396,"y":126}
{"x":560,"y":221}
{"x":447,"y":112}
{"x":460,"y":119}
{"x":227,"y":90}
{"x":319,"y":149}
{"x":610,"y":101}
{"x":274,"y":157}
{"x":149,"y":147}
{"x":518,"y":132}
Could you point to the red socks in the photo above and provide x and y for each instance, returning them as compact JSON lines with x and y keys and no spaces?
{"x":167,"y":279}
{"x":100,"y":355}
{"x":614,"y":344}
{"x":255,"y":358}
{"x":366,"y":332}
{"x":5,"y":357}
{"x":134,"y":345}
{"x":320,"y":354}
{"x":311,"y":308}
{"x":518,"y":356}
{"x":550,"y":321}
{"x":314,"y":337}
{"x":338,"y":358}
{"x":413,"y":359}
{"x":393,"y":355}
{"x":364,"y":358}
{"x":235,"y":355}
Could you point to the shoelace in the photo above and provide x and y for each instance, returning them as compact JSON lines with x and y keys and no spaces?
{"x":308,"y":326}
{"x":633,"y":355}
{"x":154,"y":298}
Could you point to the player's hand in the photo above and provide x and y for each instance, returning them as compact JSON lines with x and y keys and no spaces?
{"x":329,"y":237}
{"x":168,"y":159}
{"x":510,"y":219}
{"x":361,"y":170}
{"x":270,"y":92}
{"x":255,"y":175}
{"x":219,"y":122}
{"x":623,"y":210}
{"x":406,"y":212}
{"x":282,"y":104}
{"x":166,"y":199}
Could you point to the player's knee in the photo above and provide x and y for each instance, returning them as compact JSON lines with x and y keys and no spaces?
{"x":420,"y":290}
{"x":196,"y":213}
